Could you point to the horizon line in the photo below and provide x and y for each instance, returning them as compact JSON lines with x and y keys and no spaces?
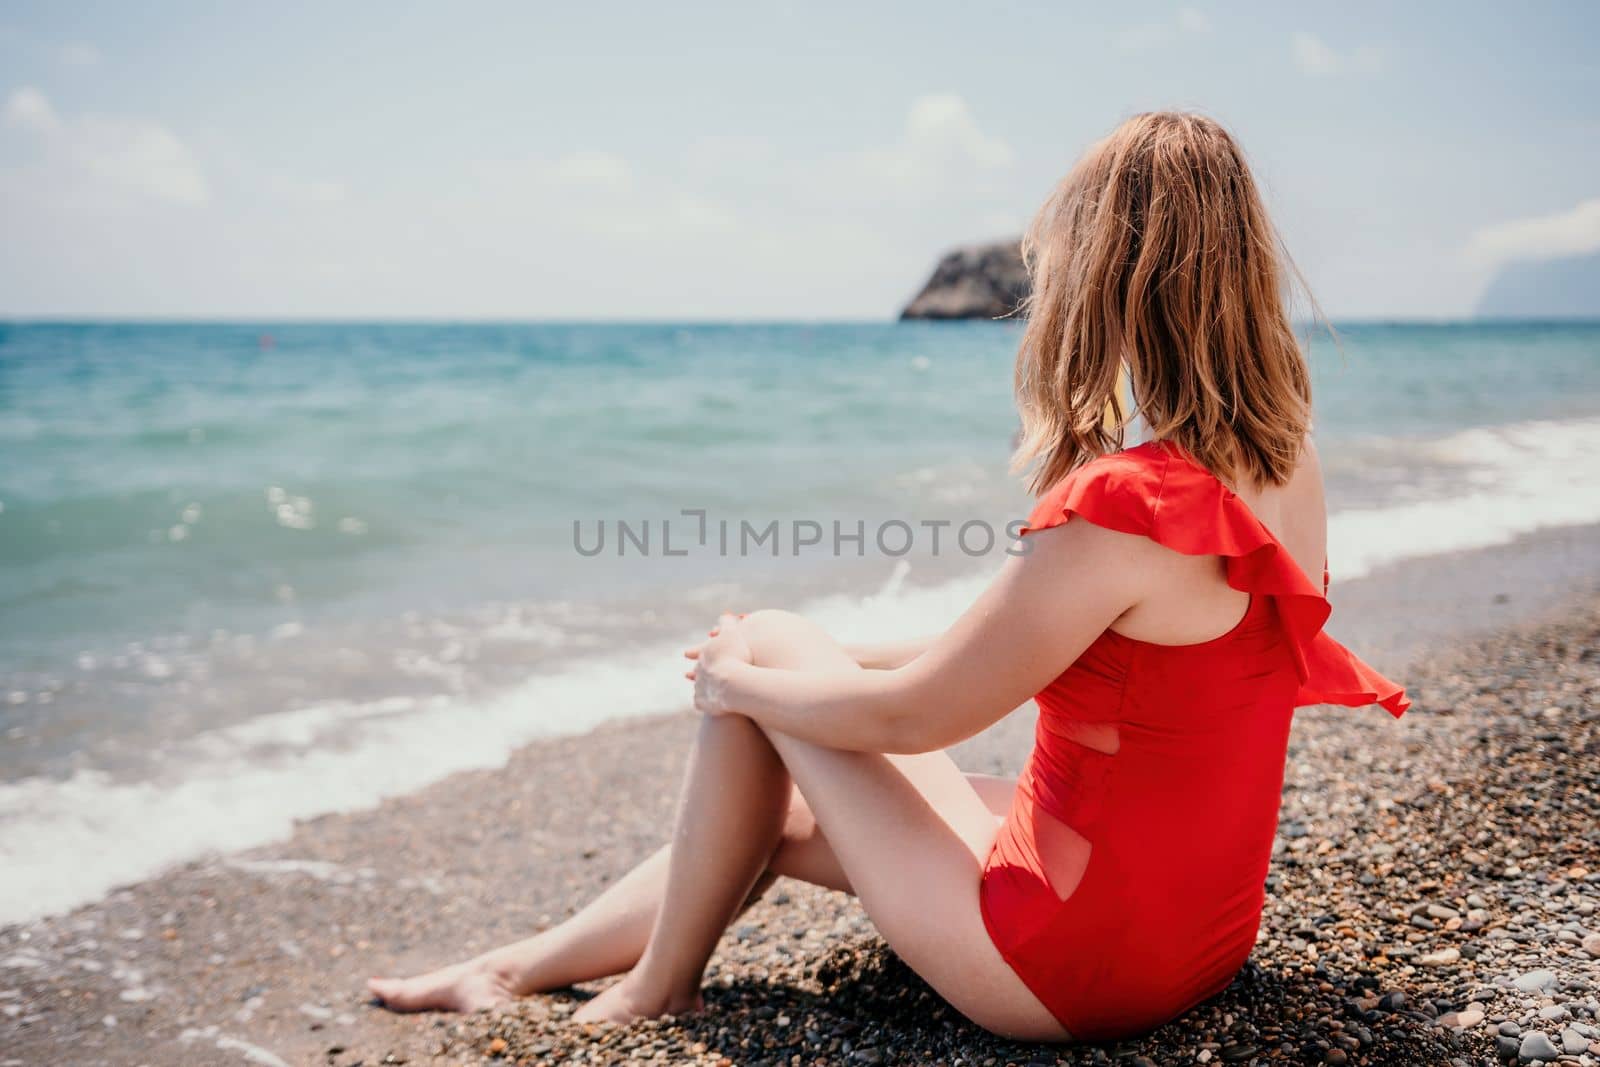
{"x":71,"y":319}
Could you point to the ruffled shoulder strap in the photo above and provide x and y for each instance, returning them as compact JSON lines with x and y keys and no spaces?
{"x":1119,"y":491}
{"x":1158,"y":491}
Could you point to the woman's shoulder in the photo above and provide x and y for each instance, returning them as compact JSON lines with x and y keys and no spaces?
{"x":1297,"y":513}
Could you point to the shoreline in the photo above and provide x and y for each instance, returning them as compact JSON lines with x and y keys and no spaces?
{"x":260,"y":956}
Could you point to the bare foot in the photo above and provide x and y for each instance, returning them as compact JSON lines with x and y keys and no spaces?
{"x":622,"y":1003}
{"x":469,"y":986}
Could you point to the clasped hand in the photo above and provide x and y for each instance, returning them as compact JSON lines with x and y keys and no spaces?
{"x":724,"y":649}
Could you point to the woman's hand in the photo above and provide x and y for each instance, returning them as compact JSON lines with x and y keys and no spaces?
{"x":714,"y":661}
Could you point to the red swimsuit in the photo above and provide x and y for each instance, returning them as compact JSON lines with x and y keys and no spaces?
{"x":1180,"y":820}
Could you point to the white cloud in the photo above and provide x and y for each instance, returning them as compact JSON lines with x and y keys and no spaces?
{"x":1317,"y":59}
{"x":136,"y":153}
{"x":1158,"y":33}
{"x":727,"y":225}
{"x":702,"y":213}
{"x":143,"y":155}
{"x":593,"y":168}
{"x":1574,"y":232}
{"x":941,"y":135}
{"x":943,"y":122}
{"x":30,"y":109}
{"x":80,"y":54}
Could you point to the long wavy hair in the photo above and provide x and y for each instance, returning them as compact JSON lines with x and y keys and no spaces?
{"x":1155,"y":257}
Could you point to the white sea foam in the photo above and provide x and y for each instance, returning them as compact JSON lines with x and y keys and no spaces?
{"x":1523,"y":477}
{"x":66,"y":842}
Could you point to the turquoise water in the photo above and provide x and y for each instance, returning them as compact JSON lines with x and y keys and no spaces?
{"x":293,"y":551}
{"x":440,"y":465}
{"x":155,"y":475}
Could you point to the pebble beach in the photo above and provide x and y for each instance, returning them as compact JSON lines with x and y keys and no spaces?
{"x":1434,"y":895}
{"x":1424,"y":909}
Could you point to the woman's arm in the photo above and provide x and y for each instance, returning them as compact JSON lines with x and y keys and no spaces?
{"x":887,"y":655}
{"x":1041,"y":612}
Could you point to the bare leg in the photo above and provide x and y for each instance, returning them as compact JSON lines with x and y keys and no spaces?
{"x":730,"y":821}
{"x":609,"y":935}
{"x":729,"y":768}
{"x":910,"y":835}
{"x":605,"y":938}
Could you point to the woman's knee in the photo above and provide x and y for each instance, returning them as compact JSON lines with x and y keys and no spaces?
{"x":776,"y":622}
{"x":780,"y":638}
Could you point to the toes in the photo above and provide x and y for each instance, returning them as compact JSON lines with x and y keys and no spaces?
{"x":385,"y":989}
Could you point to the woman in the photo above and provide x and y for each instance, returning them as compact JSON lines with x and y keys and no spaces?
{"x":1160,"y":611}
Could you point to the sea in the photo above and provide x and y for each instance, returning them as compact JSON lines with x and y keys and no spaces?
{"x":258,"y":572}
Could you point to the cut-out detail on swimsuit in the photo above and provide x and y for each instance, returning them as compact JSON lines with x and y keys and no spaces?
{"x":1064,"y":855}
{"x":1127,"y":885}
{"x":1068,"y":782}
{"x":1102,"y":737}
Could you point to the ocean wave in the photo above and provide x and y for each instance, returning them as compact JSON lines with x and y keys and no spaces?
{"x":65,"y":842}
{"x":1517,"y":479}
{"x":68,"y":842}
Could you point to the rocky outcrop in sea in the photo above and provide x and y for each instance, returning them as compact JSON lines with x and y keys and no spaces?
{"x":985,"y":281}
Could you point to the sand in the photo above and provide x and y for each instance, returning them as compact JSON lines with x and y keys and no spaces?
{"x":1478,"y":810}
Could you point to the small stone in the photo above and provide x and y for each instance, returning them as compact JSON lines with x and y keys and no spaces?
{"x":1554,"y":1013}
{"x":1461,"y":1020}
{"x":1591,"y":945}
{"x":1536,"y":1046}
{"x":1442,"y":913}
{"x":1510,"y":1029}
{"x":1442,"y":958}
{"x":497,"y":1047}
{"x":1573,"y":1043}
{"x":1535,"y":981}
{"x":1336,"y":1055}
{"x":1508,"y":1047}
{"x":1392,"y":1001}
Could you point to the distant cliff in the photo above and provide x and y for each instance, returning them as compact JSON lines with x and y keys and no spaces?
{"x":976,"y":282}
{"x":1552,"y":289}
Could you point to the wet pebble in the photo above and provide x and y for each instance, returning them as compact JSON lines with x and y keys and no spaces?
{"x":1536,"y":1046}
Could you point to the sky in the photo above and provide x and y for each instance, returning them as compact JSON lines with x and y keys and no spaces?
{"x":746,"y":160}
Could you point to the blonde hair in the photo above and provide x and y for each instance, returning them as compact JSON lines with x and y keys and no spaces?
{"x":1156,"y":254}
